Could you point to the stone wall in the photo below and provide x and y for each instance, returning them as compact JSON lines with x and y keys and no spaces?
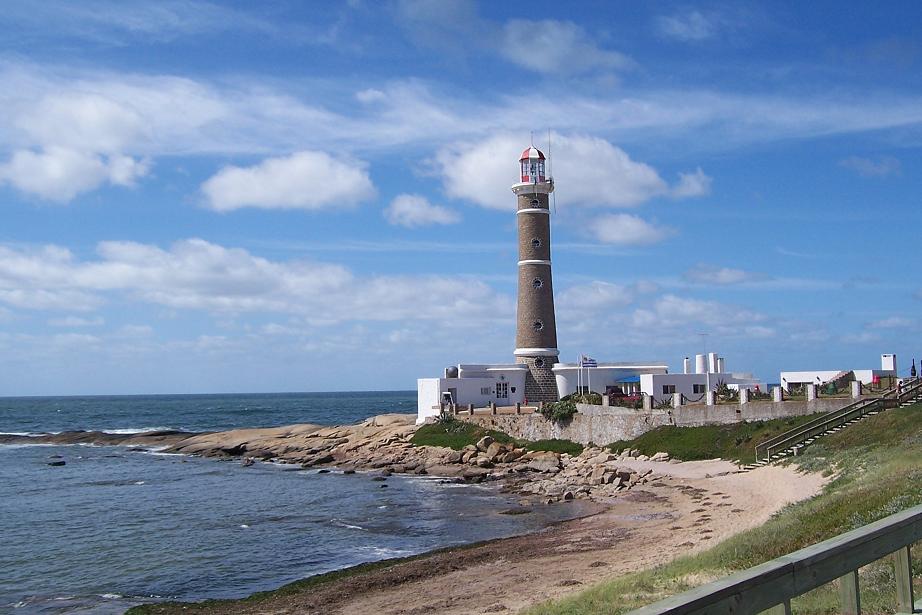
{"x":601,"y":425}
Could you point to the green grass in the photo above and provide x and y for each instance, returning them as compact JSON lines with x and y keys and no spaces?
{"x":879,"y":472}
{"x":736,"y":441}
{"x":457,"y":434}
{"x":555,"y":446}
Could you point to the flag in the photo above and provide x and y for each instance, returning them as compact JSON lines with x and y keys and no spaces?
{"x":587,"y":361}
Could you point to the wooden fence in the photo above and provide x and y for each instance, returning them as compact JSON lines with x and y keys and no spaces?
{"x":769,"y":588}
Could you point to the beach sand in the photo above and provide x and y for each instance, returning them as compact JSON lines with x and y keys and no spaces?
{"x":686,"y":508}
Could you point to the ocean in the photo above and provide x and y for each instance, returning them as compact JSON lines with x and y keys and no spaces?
{"x":116,"y":527}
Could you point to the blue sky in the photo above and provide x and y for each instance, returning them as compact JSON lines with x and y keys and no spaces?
{"x":203,"y":197}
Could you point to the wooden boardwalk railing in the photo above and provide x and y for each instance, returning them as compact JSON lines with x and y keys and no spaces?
{"x":769,"y":588}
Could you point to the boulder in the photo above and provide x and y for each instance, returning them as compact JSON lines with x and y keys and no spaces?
{"x":454,"y":457}
{"x":660,"y":456}
{"x":543,"y":465}
{"x":494,"y":450}
{"x":484,"y":462}
{"x":320,"y":459}
{"x":642,"y":458}
{"x":475,"y":475}
{"x":484,"y":443}
{"x":598,"y":475}
{"x":602,"y":458}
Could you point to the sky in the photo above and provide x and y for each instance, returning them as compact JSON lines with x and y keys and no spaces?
{"x":315,"y":196}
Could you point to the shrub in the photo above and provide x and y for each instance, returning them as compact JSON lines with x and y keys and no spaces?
{"x":559,"y":411}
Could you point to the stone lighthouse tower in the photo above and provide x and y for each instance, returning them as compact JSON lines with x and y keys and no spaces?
{"x":536,"y":328}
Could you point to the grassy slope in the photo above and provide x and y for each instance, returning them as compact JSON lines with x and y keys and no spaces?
{"x":458,"y":434}
{"x":879,"y":467}
{"x":736,"y":441}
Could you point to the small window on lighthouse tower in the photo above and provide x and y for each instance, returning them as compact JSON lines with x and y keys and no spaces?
{"x":537,"y":283}
{"x":535,"y":242}
{"x":535,"y":203}
{"x":537,"y":325}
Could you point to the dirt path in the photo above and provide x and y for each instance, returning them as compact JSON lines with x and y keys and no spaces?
{"x":686,"y":508}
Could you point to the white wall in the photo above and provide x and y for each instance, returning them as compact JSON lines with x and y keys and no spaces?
{"x":470,"y":390}
{"x":888,"y":362}
{"x":428,"y":394}
{"x":652,"y":384}
{"x":597,"y":378}
{"x":789,"y":378}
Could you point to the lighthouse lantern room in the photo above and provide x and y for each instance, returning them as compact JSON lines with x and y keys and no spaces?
{"x":532,"y":162}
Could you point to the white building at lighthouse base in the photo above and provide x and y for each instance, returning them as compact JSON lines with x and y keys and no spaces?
{"x":481,"y":385}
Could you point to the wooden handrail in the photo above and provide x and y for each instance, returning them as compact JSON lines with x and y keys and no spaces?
{"x":801,"y":433}
{"x":772,"y":585}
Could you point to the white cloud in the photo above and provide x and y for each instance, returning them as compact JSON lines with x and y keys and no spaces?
{"x":76,"y":321}
{"x":865,"y":337}
{"x":759,"y":331}
{"x":628,"y":230}
{"x":119,"y":23}
{"x":692,"y":185}
{"x":197,"y":275}
{"x":693,"y":26}
{"x":412,"y":210}
{"x":866,"y":167}
{"x":150,"y":115}
{"x":550,"y":46}
{"x":893,"y":322}
{"x":588,"y":172}
{"x":709,"y":274}
{"x":304,"y":180}
{"x":595,"y":296}
{"x":59,"y":174}
{"x":671,"y":311}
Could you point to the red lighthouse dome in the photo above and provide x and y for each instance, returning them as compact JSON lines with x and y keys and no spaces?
{"x":532,"y":162}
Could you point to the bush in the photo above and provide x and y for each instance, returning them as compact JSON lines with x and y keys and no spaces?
{"x":584,"y":398}
{"x":559,"y":411}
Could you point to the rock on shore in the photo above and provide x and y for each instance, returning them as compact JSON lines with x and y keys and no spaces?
{"x":383,"y":443}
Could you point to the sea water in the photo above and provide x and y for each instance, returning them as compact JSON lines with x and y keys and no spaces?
{"x":115,"y":527}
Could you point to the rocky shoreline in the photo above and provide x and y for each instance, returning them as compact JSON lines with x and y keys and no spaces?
{"x":382,"y":443}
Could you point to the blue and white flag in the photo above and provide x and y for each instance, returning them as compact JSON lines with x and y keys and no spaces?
{"x":587,"y":361}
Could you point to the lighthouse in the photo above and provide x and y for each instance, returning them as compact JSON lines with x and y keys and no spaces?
{"x":536,"y":327}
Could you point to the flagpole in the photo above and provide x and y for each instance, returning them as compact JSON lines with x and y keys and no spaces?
{"x":579,"y":374}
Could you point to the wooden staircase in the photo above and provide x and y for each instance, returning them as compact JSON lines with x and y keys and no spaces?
{"x":793,"y":441}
